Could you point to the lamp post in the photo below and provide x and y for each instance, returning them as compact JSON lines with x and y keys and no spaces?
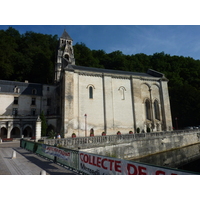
{"x":85,"y":125}
{"x":176,"y":123}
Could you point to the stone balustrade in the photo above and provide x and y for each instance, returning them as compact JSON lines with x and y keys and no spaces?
{"x":89,"y":142}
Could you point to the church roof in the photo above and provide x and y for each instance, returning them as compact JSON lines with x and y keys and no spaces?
{"x":65,"y":35}
{"x":150,"y":72}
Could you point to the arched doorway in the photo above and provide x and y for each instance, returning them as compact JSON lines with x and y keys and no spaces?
{"x":27,"y":132}
{"x":15,"y":133}
{"x":3,"y":133}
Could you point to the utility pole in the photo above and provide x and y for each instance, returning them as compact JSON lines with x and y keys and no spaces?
{"x":85,"y":125}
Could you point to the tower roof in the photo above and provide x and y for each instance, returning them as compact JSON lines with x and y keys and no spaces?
{"x":65,"y":35}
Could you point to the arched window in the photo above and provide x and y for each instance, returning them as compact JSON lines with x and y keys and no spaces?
{"x":91,"y":92}
{"x":147,"y":109}
{"x":122,"y":92}
{"x":90,"y":88}
{"x":67,"y":56}
{"x":156,"y":110}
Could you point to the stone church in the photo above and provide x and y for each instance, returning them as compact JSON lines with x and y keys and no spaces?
{"x":85,"y":99}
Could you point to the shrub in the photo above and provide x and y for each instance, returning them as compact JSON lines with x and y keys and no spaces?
{"x":103,"y":133}
{"x":52,"y":134}
{"x":118,"y":133}
{"x":130,"y":132}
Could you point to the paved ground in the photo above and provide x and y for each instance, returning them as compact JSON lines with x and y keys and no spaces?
{"x":26,"y":163}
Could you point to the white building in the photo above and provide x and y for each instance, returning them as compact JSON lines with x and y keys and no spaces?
{"x":21,"y":103}
{"x":85,"y":98}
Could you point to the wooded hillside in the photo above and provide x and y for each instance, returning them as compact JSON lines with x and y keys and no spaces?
{"x":31,"y":57}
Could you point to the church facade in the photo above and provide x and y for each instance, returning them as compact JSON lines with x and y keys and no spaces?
{"x":85,"y":99}
{"x":108,"y":100}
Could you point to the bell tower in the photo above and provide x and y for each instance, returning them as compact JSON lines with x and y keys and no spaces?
{"x":65,"y":55}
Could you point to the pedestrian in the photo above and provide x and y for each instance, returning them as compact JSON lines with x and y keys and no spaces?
{"x":58,"y":136}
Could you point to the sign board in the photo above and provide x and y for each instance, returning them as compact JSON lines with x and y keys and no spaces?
{"x":56,"y":152}
{"x":100,"y":165}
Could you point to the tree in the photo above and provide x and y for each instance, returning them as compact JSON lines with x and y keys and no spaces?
{"x":44,"y":124}
{"x":84,"y":56}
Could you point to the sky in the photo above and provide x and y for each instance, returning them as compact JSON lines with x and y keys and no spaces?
{"x":181,"y":40}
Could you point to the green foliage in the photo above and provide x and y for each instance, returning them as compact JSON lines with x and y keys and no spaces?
{"x":109,"y":154}
{"x":84,"y":56}
{"x":51,"y":134}
{"x":30,"y":56}
{"x":59,"y":146}
{"x":44,"y":124}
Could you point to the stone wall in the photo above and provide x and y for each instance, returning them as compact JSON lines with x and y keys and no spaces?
{"x":148,"y":145}
{"x":130,"y":146}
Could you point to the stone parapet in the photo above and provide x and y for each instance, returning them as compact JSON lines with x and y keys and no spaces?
{"x":160,"y":141}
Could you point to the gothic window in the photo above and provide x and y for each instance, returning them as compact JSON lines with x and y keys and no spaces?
{"x":91,"y":92}
{"x":122,"y":92}
{"x":156,"y":110}
{"x":148,"y":109}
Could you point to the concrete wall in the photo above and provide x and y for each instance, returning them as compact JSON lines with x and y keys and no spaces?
{"x":147,"y":145}
{"x":174,"y":158}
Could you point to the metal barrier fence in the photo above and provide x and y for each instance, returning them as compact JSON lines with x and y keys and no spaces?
{"x":87,"y":163}
{"x":39,"y":149}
